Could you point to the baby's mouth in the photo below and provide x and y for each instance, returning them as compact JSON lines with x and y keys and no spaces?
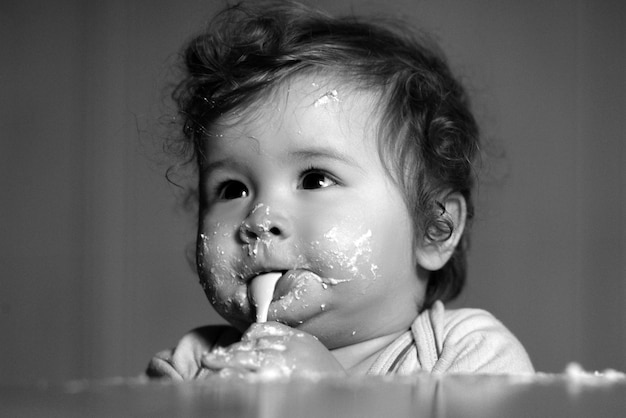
{"x":280,"y":285}
{"x":285,"y":280}
{"x":292,"y":280}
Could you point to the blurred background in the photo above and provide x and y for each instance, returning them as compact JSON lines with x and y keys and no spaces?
{"x":94,"y":276}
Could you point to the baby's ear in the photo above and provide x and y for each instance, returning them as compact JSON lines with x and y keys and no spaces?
{"x":433,"y":255}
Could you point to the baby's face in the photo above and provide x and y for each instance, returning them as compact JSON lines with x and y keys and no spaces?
{"x":296,"y":186}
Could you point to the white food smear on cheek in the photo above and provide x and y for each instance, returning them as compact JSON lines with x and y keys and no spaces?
{"x":219,"y":280}
{"x":353,"y":259}
{"x":338,"y":258}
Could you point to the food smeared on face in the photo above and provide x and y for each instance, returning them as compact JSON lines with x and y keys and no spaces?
{"x":293,"y":193}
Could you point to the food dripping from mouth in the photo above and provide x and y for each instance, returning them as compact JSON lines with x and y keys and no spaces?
{"x":261,"y":291}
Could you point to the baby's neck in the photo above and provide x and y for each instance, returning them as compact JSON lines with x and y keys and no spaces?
{"x":357,"y":359}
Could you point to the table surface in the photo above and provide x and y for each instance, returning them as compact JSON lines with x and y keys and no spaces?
{"x":417,"y":396}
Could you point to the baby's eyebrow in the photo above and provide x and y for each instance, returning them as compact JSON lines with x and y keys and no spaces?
{"x":317,"y":153}
{"x":218,"y":164}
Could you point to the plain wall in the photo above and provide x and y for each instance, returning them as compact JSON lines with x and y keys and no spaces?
{"x":94,"y":242}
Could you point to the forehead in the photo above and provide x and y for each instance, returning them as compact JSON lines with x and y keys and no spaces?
{"x":308,"y":102}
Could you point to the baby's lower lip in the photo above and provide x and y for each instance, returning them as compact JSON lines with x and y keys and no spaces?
{"x":290,"y":280}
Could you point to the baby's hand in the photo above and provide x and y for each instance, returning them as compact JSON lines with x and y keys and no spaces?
{"x":184,"y":361}
{"x":273,"y":349}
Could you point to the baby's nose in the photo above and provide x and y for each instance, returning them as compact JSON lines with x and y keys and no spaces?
{"x":264,"y":223}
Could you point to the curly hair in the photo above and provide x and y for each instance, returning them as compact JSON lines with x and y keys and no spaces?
{"x":428,"y":138}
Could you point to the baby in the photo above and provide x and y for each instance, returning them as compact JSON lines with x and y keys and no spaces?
{"x":336,"y":162}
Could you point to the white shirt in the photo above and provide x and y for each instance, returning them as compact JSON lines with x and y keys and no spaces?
{"x":454,"y":341}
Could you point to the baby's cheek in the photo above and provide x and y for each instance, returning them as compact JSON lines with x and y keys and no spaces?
{"x":347,"y":254}
{"x":220,"y":281}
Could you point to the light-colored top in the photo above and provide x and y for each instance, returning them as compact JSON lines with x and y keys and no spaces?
{"x":439,"y":341}
{"x":454,"y":341}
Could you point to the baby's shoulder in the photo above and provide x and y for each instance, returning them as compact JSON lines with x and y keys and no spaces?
{"x":464,"y":325}
{"x":469,"y":340}
{"x":463,"y":320}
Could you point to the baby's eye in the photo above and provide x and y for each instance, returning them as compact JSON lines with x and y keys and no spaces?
{"x":232,"y":189}
{"x":315,"y":179}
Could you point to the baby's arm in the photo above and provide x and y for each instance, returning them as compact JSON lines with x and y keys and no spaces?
{"x":264,"y":349}
{"x":273,"y":349}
